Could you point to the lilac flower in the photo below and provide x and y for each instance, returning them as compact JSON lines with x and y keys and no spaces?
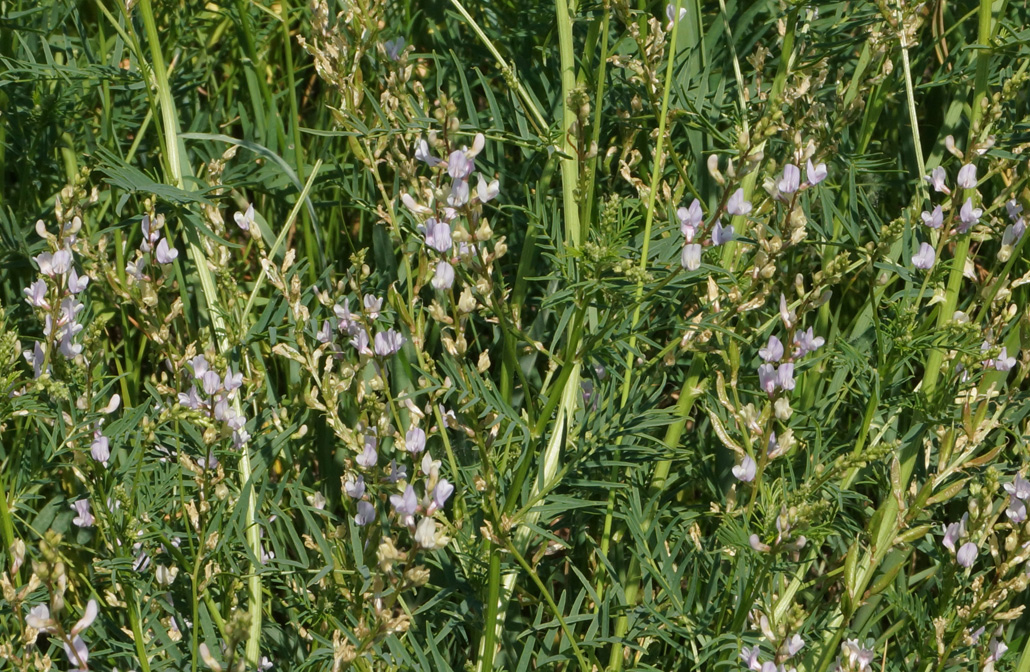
{"x":368,"y":456}
{"x":737,"y":205}
{"x":750,"y":657}
{"x":425,"y":533}
{"x":415,"y":440}
{"x":1003,"y":362}
{"x":487,"y":191}
{"x":441,"y":493}
{"x":459,"y":165}
{"x":423,"y":154}
{"x":35,"y":294}
{"x":1013,"y":232}
{"x":690,"y":219}
{"x":151,"y":232}
{"x":35,"y":357}
{"x":788,"y":316}
{"x":354,"y":487}
{"x":934,"y":219}
{"x":394,"y":48}
{"x":397,"y":472}
{"x":745,"y":471}
{"x":968,"y":215}
{"x":690,"y":258}
{"x":997,"y":648}
{"x":360,"y":342}
{"x":405,"y":505}
{"x":858,"y":657}
{"x":785,"y":376}
{"x":245,"y":220}
{"x":966,"y":555}
{"x":388,"y":342}
{"x":806,"y":342}
{"x":1016,"y":510}
{"x":767,"y":378}
{"x":773,"y":351}
{"x":135,"y":269}
{"x":58,"y":263}
{"x":815,"y":174}
{"x":345,"y":319}
{"x":233,"y":381}
{"x":953,"y":532}
{"x":85,"y":518}
{"x":77,"y":284}
{"x":967,"y":176}
{"x":190,"y":399}
{"x":925,"y":257}
{"x":1019,"y":488}
{"x":211,"y":382}
{"x":791,"y":180}
{"x":76,"y":650}
{"x":460,"y":194}
{"x":373,"y":305}
{"x":936,"y":179}
{"x":722,"y":234}
{"x":1013,"y":208}
{"x":200,"y":366}
{"x":438,"y":235}
{"x":773,"y":449}
{"x":100,"y":449}
{"x":670,"y":12}
{"x":794,"y":645}
{"x":366,"y":513}
{"x":443,"y":276}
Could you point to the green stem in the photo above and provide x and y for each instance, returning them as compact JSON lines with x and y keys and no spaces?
{"x":569,"y":162}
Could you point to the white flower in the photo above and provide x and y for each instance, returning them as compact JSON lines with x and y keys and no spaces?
{"x":737,"y":205}
{"x":487,"y":191}
{"x":691,"y":257}
{"x":245,"y":220}
{"x":443,"y":276}
{"x":791,"y":180}
{"x":425,"y":533}
{"x":745,"y":471}
{"x":815,"y":174}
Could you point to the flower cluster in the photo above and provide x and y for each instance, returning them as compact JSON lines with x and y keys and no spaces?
{"x":39,"y":619}
{"x":215,"y":395}
{"x":966,"y":554}
{"x":56,"y":294}
{"x":853,"y":658}
{"x":691,"y":220}
{"x":357,"y":326}
{"x":785,"y":644}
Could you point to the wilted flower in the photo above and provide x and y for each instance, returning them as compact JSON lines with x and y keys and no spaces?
{"x":690,"y":258}
{"x":967,"y":176}
{"x":815,"y":174}
{"x":925,"y":258}
{"x":737,"y":205}
{"x":745,"y":471}
{"x":758,"y":545}
{"x":934,"y":219}
{"x":791,"y":180}
{"x":937,"y":178}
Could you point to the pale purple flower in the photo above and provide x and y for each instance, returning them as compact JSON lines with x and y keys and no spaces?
{"x":388,"y":342}
{"x":791,"y":180}
{"x":1013,"y":208}
{"x":750,"y":656}
{"x":373,"y":305}
{"x":345,"y":319}
{"x":858,"y":657}
{"x":190,"y":399}
{"x":35,"y":357}
{"x":968,"y":215}
{"x":737,"y":205}
{"x":1019,"y":488}
{"x":773,"y":449}
{"x":722,"y":234}
{"x":673,"y":16}
{"x":1013,"y":232}
{"x":690,"y":258}
{"x":967,"y":176}
{"x":815,"y":174}
{"x":806,"y":342}
{"x":35,"y":294}
{"x":773,"y":351}
{"x":925,"y":257}
{"x":423,"y":154}
{"x":443,"y":276}
{"x":438,"y":235}
{"x":354,"y":487}
{"x":954,"y":532}
{"x":77,"y":284}
{"x":368,"y":457}
{"x":936,"y":179}
{"x":459,"y":165}
{"x":788,"y":316}
{"x":966,"y":555}
{"x":1003,"y":362}
{"x":151,"y":232}
{"x":997,"y":648}
{"x":58,"y":263}
{"x":746,"y":470}
{"x":85,"y":518}
{"x":487,"y":191}
{"x":1016,"y":510}
{"x":415,"y":440}
{"x":360,"y":342}
{"x":233,"y":381}
{"x":757,"y":544}
{"x":405,"y":505}
{"x":794,"y":645}
{"x":690,"y":219}
{"x":100,"y":449}
{"x":785,"y":376}
{"x":767,"y":378}
{"x":442,"y":492}
{"x":245,"y":220}
{"x":460,"y":193}
{"x":366,"y":513}
{"x":200,"y":366}
{"x":394,"y":48}
{"x":933,"y":219}
{"x":212,"y":382}
{"x":396,"y":472}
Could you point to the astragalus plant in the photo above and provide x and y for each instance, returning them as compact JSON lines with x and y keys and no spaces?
{"x":379,"y":335}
